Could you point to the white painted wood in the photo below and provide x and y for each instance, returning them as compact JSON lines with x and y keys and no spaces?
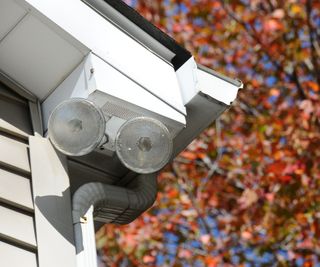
{"x":85,"y":241}
{"x":10,"y":14}
{"x":105,"y":79}
{"x":52,"y":200}
{"x":36,"y":117}
{"x":17,"y":226}
{"x":14,"y":154}
{"x":216,"y":87}
{"x":36,"y":57}
{"x":77,"y":84}
{"x":188,"y":80}
{"x":12,"y":256}
{"x":113,"y":45}
{"x":16,"y":190}
{"x":111,"y":81}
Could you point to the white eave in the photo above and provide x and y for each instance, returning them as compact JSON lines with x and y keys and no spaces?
{"x":41,"y":42}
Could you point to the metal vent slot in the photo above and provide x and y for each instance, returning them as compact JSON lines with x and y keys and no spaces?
{"x":111,"y":109}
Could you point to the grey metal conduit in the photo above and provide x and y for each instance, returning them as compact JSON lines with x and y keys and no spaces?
{"x":115,"y":204}
{"x":108,"y":204}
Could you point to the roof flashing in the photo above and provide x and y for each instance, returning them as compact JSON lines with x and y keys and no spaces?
{"x":144,"y":32}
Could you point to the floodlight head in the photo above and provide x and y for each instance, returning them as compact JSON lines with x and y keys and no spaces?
{"x":76,"y":127}
{"x":144,"y":145}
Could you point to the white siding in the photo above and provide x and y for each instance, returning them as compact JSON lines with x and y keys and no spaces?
{"x":51,"y":190}
{"x":18,"y":244}
{"x":15,"y":190}
{"x":14,"y":154}
{"x":17,"y":226}
{"x":12,"y":256}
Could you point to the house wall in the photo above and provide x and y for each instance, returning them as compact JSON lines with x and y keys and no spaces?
{"x":17,"y":224}
{"x":36,"y":228}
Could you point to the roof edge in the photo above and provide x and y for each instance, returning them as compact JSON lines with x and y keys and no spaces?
{"x":181,"y":54}
{"x":235,"y":82}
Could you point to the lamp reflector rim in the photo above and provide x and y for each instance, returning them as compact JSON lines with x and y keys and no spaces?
{"x":144,"y":143}
{"x":98,"y":117}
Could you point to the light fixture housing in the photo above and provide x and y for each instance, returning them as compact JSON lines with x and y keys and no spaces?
{"x":76,"y":127}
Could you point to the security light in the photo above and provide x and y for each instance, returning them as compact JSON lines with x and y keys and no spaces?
{"x":76,"y":127}
{"x":144,"y":145}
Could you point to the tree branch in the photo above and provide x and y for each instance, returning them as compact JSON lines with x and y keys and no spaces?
{"x":192,"y":197}
{"x":312,"y":42}
{"x":253,"y":34}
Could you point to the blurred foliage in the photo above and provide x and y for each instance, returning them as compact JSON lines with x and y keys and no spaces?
{"x":247,"y":191}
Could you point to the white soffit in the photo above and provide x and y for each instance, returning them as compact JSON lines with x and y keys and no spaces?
{"x":10,"y":14}
{"x":114,"y":46}
{"x":37,"y":57}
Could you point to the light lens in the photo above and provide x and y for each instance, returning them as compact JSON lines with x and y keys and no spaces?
{"x":76,"y":127}
{"x":144,"y":145}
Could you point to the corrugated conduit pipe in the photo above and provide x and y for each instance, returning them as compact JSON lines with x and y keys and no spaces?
{"x":109,"y":204}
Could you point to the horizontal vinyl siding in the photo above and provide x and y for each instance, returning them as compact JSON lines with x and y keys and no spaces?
{"x":18,"y":246}
{"x":17,"y":226}
{"x":14,"y":154}
{"x":12,"y":256}
{"x":8,"y":128}
{"x":15,"y":189}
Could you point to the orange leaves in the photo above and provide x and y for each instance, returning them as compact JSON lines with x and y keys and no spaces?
{"x":173,"y":193}
{"x":267,"y":180}
{"x":215,"y":4}
{"x":189,"y":155}
{"x":272,"y":25}
{"x":284,"y":172}
{"x":147,"y":259}
{"x":212,"y":261}
{"x":246,"y":235}
{"x":313,"y":86}
{"x":285,"y":178}
{"x":213,"y":201}
{"x":279,"y":171}
{"x":276,"y":168}
{"x":275,"y":92}
{"x":301,"y":219}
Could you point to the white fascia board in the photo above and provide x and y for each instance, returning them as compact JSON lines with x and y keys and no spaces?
{"x":217,"y":86}
{"x":194,"y":79}
{"x":113,"y":46}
